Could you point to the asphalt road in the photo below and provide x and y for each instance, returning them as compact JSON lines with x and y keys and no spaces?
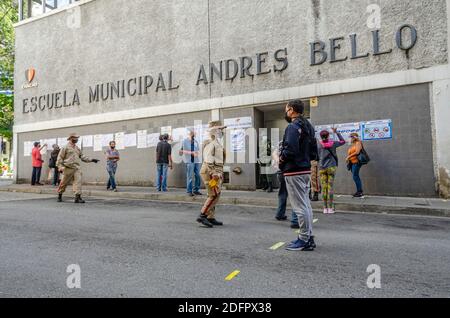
{"x":145,"y":249}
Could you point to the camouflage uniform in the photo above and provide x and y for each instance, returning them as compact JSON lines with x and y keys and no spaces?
{"x":213,"y":161}
{"x":69,"y":160}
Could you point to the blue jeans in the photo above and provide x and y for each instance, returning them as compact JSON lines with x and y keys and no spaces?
{"x":161,"y":176}
{"x":282,"y":200}
{"x":36,"y":175}
{"x":193,"y":170}
{"x":355,"y":172}
{"x":112,"y":178}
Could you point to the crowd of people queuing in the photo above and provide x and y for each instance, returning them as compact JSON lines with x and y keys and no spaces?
{"x":305,"y":168}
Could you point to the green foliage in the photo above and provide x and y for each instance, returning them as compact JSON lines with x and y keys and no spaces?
{"x":6,"y":115}
{"x":8,"y":16}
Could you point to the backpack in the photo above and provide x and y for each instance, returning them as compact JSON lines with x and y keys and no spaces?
{"x":52,"y":163}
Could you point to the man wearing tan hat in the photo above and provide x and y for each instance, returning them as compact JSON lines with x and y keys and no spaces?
{"x":212,"y":173}
{"x":69,"y":163}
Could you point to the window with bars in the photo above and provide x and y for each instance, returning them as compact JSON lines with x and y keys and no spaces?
{"x":34,"y":8}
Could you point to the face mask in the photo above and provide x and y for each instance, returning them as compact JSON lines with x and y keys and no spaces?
{"x":287,"y":118}
{"x":219,"y":134}
{"x":113,"y":147}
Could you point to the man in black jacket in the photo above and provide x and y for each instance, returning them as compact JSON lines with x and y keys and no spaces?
{"x":298,"y":149}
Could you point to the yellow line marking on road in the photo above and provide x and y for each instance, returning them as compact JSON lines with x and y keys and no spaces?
{"x":315,"y":220}
{"x":298,"y":231}
{"x":232,"y":275}
{"x":277,"y":246}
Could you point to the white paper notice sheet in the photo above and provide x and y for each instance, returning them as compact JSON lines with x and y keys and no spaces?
{"x":27,"y":148}
{"x":142,"y":139}
{"x":106,"y":139}
{"x":130,"y":140}
{"x":98,"y":142}
{"x":119,"y":138}
{"x":152,"y":140}
{"x":87,"y":141}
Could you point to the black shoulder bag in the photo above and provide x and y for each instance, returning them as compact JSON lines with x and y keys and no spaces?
{"x":363,"y":157}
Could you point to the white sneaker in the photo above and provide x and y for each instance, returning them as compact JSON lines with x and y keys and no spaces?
{"x":331,"y":211}
{"x":325,"y":211}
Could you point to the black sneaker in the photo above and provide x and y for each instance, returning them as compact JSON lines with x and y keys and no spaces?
{"x":215,"y":222}
{"x":191,"y":195}
{"x":315,"y":197}
{"x":281,"y":218}
{"x":198,"y":193}
{"x":311,"y":242}
{"x":295,"y":226}
{"x":203,"y":220}
{"x":358,"y":195}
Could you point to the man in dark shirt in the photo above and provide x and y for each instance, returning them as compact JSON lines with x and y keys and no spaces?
{"x":163,"y":162}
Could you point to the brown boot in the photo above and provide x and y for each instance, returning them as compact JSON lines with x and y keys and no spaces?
{"x":78,"y":199}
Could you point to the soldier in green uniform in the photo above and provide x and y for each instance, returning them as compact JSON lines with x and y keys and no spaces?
{"x":212,"y":173}
{"x":69,"y":163}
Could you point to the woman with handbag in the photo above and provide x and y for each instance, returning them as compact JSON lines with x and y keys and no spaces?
{"x":356,"y":158}
{"x":328,"y":163}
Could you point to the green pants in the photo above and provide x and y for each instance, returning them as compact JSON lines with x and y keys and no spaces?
{"x":327,"y":177}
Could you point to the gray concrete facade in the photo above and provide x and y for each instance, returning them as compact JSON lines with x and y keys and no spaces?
{"x":96,"y":42}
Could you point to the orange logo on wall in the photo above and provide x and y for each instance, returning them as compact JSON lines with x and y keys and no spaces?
{"x":29,"y":74}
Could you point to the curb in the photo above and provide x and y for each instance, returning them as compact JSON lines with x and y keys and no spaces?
{"x":243,"y":201}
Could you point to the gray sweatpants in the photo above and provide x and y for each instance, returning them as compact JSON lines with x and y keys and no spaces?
{"x":298,"y":190}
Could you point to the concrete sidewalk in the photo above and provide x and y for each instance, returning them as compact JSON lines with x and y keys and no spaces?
{"x":344,"y":203}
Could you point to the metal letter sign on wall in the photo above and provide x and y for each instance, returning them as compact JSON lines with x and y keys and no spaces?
{"x":226,"y":70}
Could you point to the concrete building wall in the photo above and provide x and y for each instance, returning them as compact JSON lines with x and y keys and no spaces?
{"x":136,"y":167}
{"x":402,"y":166}
{"x":99,"y":41}
{"x":118,"y":39}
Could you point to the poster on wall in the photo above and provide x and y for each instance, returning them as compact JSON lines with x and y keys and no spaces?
{"x":320,"y":128}
{"x":62,"y":142}
{"x":179,"y":134}
{"x":142,"y":139}
{"x":239,"y":122}
{"x":166,"y":130}
{"x":202,"y":133}
{"x":98,"y":142}
{"x":44,"y":146}
{"x":119,"y":139}
{"x":130,"y":140}
{"x":106,"y":139}
{"x":237,"y":140}
{"x":27,"y":148}
{"x":347,"y":129}
{"x":87,"y":141}
{"x":152,"y":140}
{"x":377,"y":130}
{"x":50,"y":142}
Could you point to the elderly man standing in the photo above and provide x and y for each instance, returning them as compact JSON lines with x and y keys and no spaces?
{"x":69,"y":163}
{"x":190,"y":150}
{"x":212,"y":173}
